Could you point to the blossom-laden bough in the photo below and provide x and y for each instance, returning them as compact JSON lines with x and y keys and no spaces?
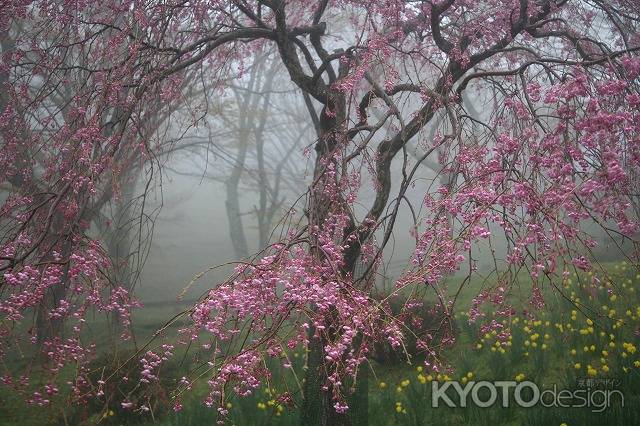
{"x":536,"y":107}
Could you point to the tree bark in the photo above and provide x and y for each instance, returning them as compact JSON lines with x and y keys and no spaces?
{"x":318,"y":405}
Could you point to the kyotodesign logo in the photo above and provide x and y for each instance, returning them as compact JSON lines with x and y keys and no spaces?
{"x":521,"y":394}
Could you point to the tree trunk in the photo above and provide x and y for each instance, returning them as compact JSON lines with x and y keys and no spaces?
{"x":236,"y":227}
{"x":318,"y":406}
{"x":316,"y":403}
{"x":46,"y":327}
{"x":119,"y":242}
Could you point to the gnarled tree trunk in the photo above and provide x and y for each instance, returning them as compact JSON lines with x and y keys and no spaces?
{"x":318,"y":405}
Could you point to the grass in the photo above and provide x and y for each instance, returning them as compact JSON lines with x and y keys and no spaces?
{"x":590,"y":333}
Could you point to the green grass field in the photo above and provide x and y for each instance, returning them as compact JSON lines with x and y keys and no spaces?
{"x":583,"y":337}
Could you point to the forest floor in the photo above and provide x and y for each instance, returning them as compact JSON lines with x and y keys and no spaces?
{"x":584,"y":338}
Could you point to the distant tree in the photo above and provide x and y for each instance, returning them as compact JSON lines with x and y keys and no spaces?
{"x":253,"y":145}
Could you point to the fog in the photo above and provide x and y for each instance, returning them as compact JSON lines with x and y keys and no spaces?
{"x":191,"y":233}
{"x":191,"y":229}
